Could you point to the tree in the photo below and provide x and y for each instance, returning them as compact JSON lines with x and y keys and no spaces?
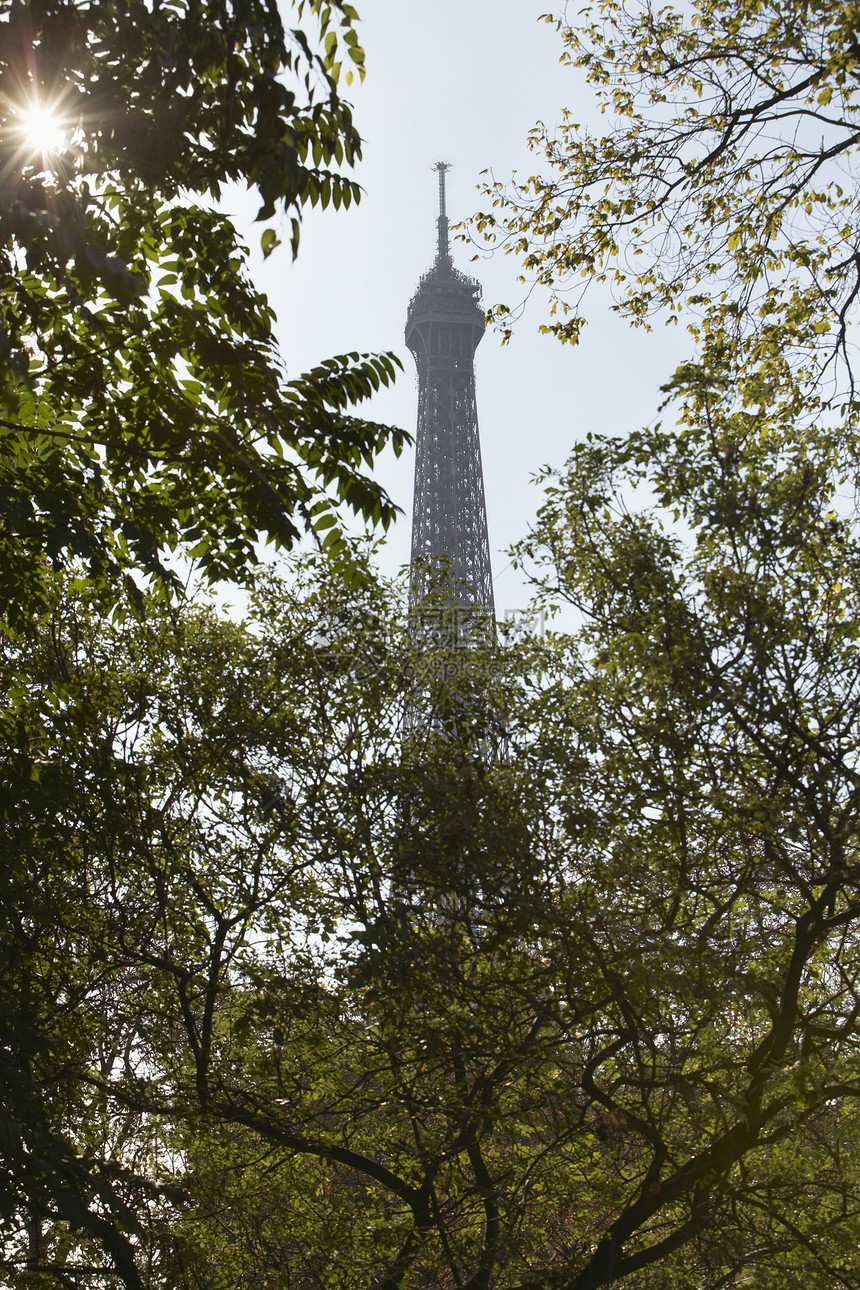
{"x":714,"y":564}
{"x":714,"y":697}
{"x":134,"y":910}
{"x":724,"y":195}
{"x":219,"y":796}
{"x":293,"y":998}
{"x":145,"y":402}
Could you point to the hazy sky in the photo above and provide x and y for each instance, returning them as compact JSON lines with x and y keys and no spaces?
{"x":462,"y":81}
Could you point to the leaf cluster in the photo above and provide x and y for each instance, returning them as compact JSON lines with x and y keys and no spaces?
{"x":144,"y":402}
{"x":723,"y":193}
{"x":301,"y":985}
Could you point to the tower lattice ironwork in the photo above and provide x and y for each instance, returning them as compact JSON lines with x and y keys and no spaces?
{"x":444,"y":327}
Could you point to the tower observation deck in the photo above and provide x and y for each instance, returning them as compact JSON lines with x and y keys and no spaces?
{"x":444,"y":327}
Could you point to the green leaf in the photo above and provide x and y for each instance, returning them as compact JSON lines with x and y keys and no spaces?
{"x":268,"y":241}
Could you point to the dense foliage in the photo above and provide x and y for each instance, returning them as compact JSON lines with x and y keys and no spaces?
{"x":334,"y":959}
{"x":722,"y":195}
{"x":306,"y":982}
{"x":180,"y":977}
{"x":713,"y":562}
{"x":145,"y":405}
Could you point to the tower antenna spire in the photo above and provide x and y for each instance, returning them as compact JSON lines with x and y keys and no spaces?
{"x":444,"y":250}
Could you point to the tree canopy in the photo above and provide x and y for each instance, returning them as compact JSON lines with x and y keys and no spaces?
{"x":302,"y":984}
{"x":145,"y":404}
{"x":712,"y":560}
{"x":335,"y":958}
{"x":723,"y":195}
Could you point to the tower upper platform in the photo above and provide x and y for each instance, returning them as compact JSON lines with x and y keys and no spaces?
{"x":444,"y":294}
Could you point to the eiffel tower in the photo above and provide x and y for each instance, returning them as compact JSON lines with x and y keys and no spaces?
{"x":450,"y":549}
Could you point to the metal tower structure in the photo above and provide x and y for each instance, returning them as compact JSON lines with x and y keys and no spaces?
{"x":444,"y":327}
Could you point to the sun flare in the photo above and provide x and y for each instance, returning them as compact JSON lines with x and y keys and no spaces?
{"x":41,"y":130}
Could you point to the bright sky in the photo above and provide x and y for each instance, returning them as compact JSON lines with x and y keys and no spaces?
{"x":461,"y":81}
